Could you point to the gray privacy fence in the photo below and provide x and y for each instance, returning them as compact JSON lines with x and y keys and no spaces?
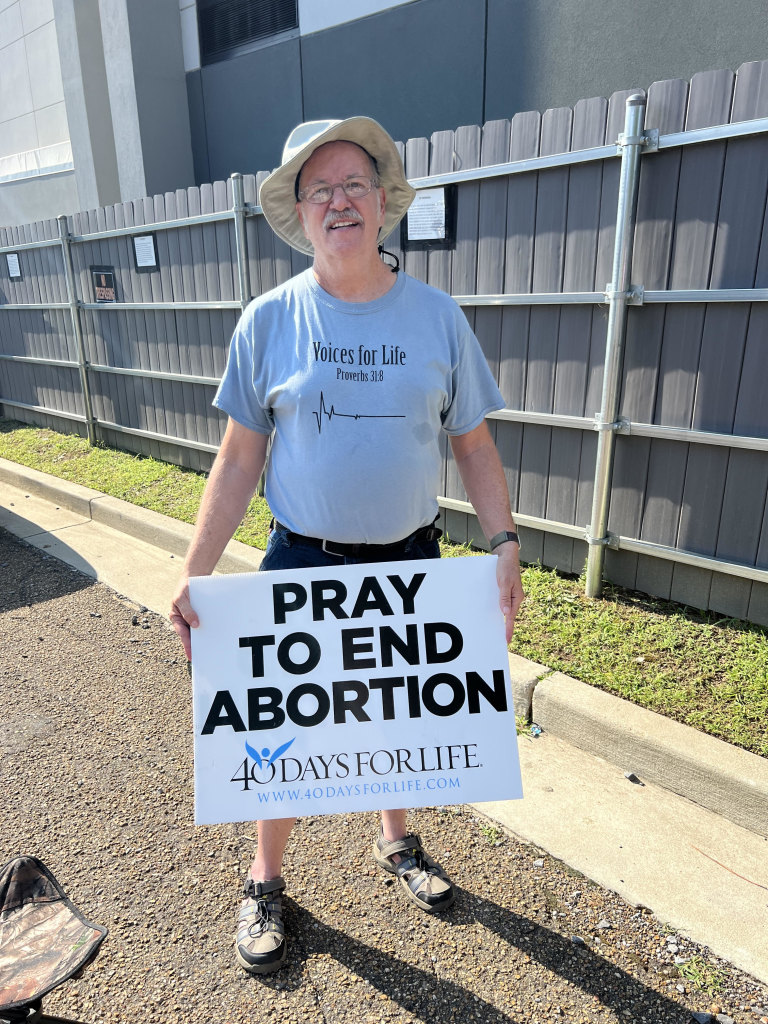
{"x":632,"y":359}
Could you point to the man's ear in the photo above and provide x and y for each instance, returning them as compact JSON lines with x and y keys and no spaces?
{"x":300,"y":215}
{"x":382,"y":202}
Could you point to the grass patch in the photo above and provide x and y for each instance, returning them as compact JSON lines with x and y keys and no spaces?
{"x":492,"y":834}
{"x":702,"y":975}
{"x":159,"y":486}
{"x":698,"y":668}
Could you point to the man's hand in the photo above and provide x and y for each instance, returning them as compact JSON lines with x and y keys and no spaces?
{"x":183,"y":616}
{"x":510,"y":584}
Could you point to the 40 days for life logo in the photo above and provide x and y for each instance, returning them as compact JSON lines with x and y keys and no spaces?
{"x":351,"y":688}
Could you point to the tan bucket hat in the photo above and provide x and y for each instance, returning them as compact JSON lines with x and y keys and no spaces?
{"x":277,"y":195}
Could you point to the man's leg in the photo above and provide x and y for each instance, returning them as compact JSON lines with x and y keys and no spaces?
{"x":260,"y":945}
{"x":393,"y":825}
{"x":400,"y":852}
{"x":273,"y":837}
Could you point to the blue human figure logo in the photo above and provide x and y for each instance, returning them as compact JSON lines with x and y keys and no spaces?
{"x":266,"y":757}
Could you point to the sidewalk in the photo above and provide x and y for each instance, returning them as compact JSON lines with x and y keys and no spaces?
{"x":688,"y":840}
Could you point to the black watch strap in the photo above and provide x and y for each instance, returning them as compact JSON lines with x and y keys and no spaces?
{"x":502,"y":538}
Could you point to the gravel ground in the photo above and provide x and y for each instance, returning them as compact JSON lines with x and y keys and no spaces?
{"x":96,"y":774}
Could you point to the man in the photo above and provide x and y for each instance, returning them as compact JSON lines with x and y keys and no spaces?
{"x":353,"y":370}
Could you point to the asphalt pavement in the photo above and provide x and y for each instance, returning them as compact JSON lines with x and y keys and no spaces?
{"x":658,"y":813}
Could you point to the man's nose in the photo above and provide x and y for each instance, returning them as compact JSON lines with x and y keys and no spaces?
{"x":339,"y":198}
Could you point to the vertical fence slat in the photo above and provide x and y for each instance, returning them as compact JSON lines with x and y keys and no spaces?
{"x":734,"y":262}
{"x":547,"y":276}
{"x":584,"y":199}
{"x":164,"y":324}
{"x":547,"y":324}
{"x":491,"y":238}
{"x":117,"y":354}
{"x":525,"y":130}
{"x":415,"y":261}
{"x":147,"y":418}
{"x":743,"y":201}
{"x":104,"y":387}
{"x":576,"y":453}
{"x":190,"y":325}
{"x":441,"y":161}
{"x":660,"y":488}
{"x":700,"y":184}
{"x":250,"y":195}
{"x":439,"y":266}
{"x":194,"y":199}
{"x":169,"y":258}
{"x":467,"y":144}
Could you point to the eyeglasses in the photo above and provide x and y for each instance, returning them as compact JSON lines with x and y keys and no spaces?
{"x":353,"y":188}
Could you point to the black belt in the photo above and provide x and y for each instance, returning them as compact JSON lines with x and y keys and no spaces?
{"x":340,"y":550}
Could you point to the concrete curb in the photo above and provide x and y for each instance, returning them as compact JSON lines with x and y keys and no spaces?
{"x":710,"y":772}
{"x":152,"y":527}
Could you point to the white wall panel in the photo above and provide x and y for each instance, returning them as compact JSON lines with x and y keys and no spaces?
{"x":190,"y":40}
{"x":44,"y":66}
{"x":14,"y":81}
{"x":52,"y":125}
{"x":315,"y":15}
{"x":35,"y":13}
{"x":18,"y":135}
{"x":11,"y":27}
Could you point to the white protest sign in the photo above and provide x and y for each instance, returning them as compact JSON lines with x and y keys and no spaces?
{"x":351,"y":688}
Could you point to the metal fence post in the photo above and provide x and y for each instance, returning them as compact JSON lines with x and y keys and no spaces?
{"x":241,"y":239}
{"x":618,"y":294}
{"x":243,"y":267}
{"x":66,"y":249}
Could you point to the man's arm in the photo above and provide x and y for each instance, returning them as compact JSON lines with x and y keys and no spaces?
{"x":483,"y":477}
{"x":230,"y":487}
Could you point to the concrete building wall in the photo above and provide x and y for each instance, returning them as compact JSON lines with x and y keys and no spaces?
{"x":244,"y":107}
{"x":115,"y":123}
{"x":78,"y":27}
{"x":25,"y":200}
{"x":34,"y":130}
{"x":425,"y":65}
{"x":551,"y":53}
{"x":414,"y":67}
{"x":147,"y":95}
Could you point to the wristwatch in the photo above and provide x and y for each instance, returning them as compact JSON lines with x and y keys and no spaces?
{"x":502,"y":538}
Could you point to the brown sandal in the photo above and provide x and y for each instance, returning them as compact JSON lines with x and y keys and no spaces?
{"x":423,"y":880}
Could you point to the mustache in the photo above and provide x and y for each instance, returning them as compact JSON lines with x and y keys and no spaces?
{"x":333,"y":216}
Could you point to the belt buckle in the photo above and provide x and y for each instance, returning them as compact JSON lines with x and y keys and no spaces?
{"x":327,"y":550}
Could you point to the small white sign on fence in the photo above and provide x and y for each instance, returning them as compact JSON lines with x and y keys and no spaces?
{"x":351,"y":688}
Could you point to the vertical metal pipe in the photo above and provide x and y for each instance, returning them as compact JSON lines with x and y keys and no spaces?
{"x":618,"y":296}
{"x":241,"y":239}
{"x":243,"y":267}
{"x":66,"y":250}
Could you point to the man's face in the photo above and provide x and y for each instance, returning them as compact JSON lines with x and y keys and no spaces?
{"x":342,"y":226}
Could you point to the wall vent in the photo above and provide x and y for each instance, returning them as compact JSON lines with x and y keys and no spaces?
{"x":227,"y":27}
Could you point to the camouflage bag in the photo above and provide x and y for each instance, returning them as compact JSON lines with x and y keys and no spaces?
{"x":44,"y":939}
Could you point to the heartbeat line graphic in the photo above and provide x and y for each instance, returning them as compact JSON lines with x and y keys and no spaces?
{"x":329,"y":413}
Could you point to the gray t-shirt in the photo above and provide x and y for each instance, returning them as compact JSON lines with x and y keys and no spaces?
{"x":356,"y":395}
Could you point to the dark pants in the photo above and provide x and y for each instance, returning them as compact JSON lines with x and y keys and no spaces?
{"x":287,"y":551}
